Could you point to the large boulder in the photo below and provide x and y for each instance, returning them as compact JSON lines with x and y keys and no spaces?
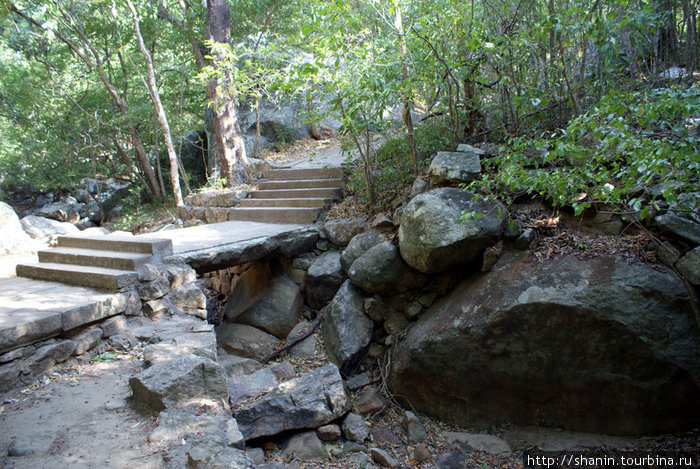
{"x":13,"y":239}
{"x":346,"y":329}
{"x":279,"y":309}
{"x":595,"y":345}
{"x":323,"y":279}
{"x":168,"y":382}
{"x":382,"y":270}
{"x":359,"y":245}
{"x":41,"y":228}
{"x":309,"y":401}
{"x":432,"y":238}
{"x":450,"y":168}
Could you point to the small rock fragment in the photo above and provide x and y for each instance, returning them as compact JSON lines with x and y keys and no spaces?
{"x":382,"y":457}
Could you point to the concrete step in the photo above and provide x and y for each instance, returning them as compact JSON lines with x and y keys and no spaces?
{"x":300,"y":183}
{"x":84,"y":276}
{"x":310,"y":202}
{"x":305,"y":173}
{"x":95,"y":258}
{"x":296,"y":215}
{"x":322,"y":193}
{"x":156,"y":247}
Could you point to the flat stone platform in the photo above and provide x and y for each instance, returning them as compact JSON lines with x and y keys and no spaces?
{"x":218,"y":245}
{"x":31,"y":310}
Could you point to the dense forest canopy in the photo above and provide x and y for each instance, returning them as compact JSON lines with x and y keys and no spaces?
{"x":590,"y":96}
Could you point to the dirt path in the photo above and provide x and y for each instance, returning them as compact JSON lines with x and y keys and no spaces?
{"x":77,"y":418}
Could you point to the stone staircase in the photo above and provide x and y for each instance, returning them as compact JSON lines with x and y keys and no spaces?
{"x":101,"y":262}
{"x":285,"y":196}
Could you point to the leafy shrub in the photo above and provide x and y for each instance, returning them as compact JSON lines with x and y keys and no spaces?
{"x":632,"y":151}
{"x":392,"y":169}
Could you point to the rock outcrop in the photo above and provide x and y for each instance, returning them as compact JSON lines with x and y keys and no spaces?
{"x":595,"y":345}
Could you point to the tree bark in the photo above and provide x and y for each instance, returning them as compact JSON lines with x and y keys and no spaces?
{"x":232,"y":155}
{"x":160,"y":112}
{"x":407,"y":120}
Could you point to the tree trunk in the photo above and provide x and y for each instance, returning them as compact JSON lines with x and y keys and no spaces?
{"x":403,"y":51}
{"x":160,"y":112}
{"x":232,"y":156}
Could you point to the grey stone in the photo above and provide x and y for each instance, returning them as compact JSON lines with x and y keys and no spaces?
{"x":359,"y":245}
{"x":452,"y":168}
{"x":382,"y":270}
{"x":42,"y":228}
{"x":17,"y":353}
{"x":346,"y":330}
{"x":249,"y":286}
{"x":9,"y":376}
{"x":209,"y":455}
{"x":202,"y":344}
{"x":323,"y":279}
{"x":679,"y":226}
{"x":463,"y":147}
{"x":421,"y":453}
{"x":546,"y":345}
{"x":357,"y":381}
{"x":354,"y":428}
{"x":278,"y":310}
{"x":303,"y":262}
{"x":226,"y":198}
{"x":184,"y":377}
{"x":525,"y":239}
{"x":419,"y":186}
{"x":113,"y":326}
{"x":452,"y":460}
{"x":689,"y":266}
{"x":377,"y":309}
{"x":87,"y":340}
{"x":235,"y":365}
{"x":47,"y":356}
{"x":362,"y":460}
{"x":353,"y":447}
{"x":244,"y":387}
{"x":283,"y":371}
{"x":304,"y":445}
{"x":341,"y":230}
{"x":148,"y":273}
{"x":382,"y":436}
{"x":179,"y":274}
{"x":414,"y":428}
{"x":382,"y":222}
{"x":330,"y":432}
{"x":153,"y":290}
{"x":668,"y":254}
{"x":36,"y":445}
{"x":190,"y":299}
{"x":369,"y":400}
{"x":257,"y":455}
{"x":305,"y":348}
{"x":309,"y":401}
{"x":478,"y":442}
{"x":123,"y":341}
{"x":234,"y":437}
{"x":245,"y":341}
{"x":432,"y":238}
{"x":383,"y":458}
{"x":60,"y":211}
{"x":413,"y":310}
{"x":158,"y":307}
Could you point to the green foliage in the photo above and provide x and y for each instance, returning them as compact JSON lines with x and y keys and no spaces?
{"x":631,"y":152}
{"x":392,"y":164}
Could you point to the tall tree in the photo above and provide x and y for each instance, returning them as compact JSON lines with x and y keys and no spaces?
{"x":232,"y":155}
{"x":160,"y":112}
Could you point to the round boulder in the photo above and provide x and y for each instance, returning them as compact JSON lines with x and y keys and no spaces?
{"x":433,"y":239}
{"x":381,"y":270}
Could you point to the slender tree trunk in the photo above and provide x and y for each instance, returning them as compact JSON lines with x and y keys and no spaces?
{"x":160,"y":112}
{"x":232,"y":155}
{"x":403,"y":51}
{"x":137,"y":143}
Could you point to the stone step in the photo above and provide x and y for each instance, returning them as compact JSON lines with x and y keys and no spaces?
{"x":156,"y":247}
{"x":296,"y":215}
{"x":95,"y":258}
{"x":84,"y":276}
{"x":310,"y":202}
{"x":305,"y":173}
{"x":300,"y":183}
{"x":324,"y":193}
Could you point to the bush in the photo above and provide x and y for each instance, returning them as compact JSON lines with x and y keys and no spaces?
{"x":632,"y":151}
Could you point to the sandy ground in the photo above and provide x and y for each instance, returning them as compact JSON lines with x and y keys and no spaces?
{"x":77,"y":417}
